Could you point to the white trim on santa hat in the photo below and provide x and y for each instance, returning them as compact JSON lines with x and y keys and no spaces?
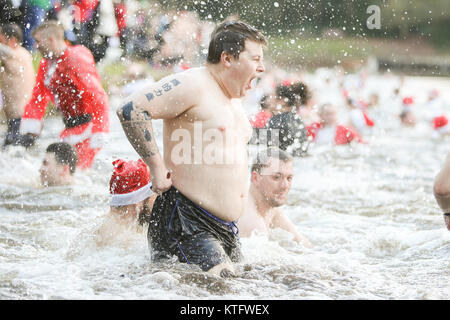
{"x":133,"y":197}
{"x":29,"y":125}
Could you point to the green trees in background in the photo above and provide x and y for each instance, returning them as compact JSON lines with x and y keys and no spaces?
{"x":400,"y":19}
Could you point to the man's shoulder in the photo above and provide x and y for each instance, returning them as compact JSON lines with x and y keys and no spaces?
{"x":276,"y":214}
{"x":191,"y":81}
{"x":192,"y":76}
{"x":24,"y":53}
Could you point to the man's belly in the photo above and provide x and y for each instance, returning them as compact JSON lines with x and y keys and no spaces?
{"x":222,"y":190}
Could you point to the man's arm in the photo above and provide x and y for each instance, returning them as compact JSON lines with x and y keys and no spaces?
{"x":5,"y":52}
{"x":166,"y":99}
{"x":35,"y":108}
{"x":441,"y":187}
{"x":441,"y":190}
{"x":280,"y":220}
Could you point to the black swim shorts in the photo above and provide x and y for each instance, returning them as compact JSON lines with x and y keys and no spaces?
{"x":180,"y":227}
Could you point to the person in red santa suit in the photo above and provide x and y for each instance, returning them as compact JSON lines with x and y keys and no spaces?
{"x":358,"y":116}
{"x":67,"y":75}
{"x":328,"y":131}
{"x":131,"y":200}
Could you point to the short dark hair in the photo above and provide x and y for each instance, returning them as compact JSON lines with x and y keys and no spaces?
{"x":50,"y":27}
{"x":230,"y":36}
{"x":404,"y":113}
{"x":263,"y":102}
{"x":263,"y":158}
{"x":65,"y":154}
{"x":296,"y":94}
{"x":12,"y":30}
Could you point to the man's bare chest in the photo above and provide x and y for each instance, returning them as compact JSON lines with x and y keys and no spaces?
{"x":226,"y":118}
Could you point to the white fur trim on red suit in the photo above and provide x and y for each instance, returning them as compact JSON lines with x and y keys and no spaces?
{"x":131,"y":197}
{"x":29,"y":125}
{"x":73,"y":139}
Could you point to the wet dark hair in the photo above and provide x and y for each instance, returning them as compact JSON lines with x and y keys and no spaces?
{"x":12,"y":30}
{"x":263,"y":158}
{"x":50,"y":27}
{"x":296,"y":94}
{"x":404,"y":114}
{"x":263,"y":102}
{"x":230,"y":36}
{"x":65,"y":154}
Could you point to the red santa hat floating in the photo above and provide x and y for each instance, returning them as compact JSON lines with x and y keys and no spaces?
{"x":130,"y":182}
{"x":407,"y":101}
{"x":440,"y":124}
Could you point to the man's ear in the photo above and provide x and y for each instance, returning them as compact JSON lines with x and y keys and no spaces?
{"x":226,"y":58}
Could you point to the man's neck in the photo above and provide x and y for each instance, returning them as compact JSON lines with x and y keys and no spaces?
{"x":12,"y":44}
{"x":218,"y":74}
{"x":59,"y":51}
{"x":262,"y":207}
{"x":67,"y":180}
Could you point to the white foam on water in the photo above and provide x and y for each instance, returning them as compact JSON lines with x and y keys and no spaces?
{"x":368,"y":210}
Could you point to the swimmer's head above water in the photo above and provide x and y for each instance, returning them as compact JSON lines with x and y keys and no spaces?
{"x":11,"y":34}
{"x":271,"y":176}
{"x":235,"y":56}
{"x":59,"y":164}
{"x":131,"y":196}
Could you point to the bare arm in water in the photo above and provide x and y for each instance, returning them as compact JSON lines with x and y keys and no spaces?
{"x":441,"y":189}
{"x":166,"y":99}
{"x":280,"y":220}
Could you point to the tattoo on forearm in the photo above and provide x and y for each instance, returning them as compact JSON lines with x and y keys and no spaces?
{"x":148,"y":136}
{"x":146,"y":115}
{"x":137,"y":123}
{"x":126,"y":111}
{"x":138,"y":129}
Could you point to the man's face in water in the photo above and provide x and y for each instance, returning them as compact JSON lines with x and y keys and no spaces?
{"x":3,"y":39}
{"x":274,"y":182}
{"x":53,"y":173}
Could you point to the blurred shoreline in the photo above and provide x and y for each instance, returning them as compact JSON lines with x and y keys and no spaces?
{"x":415,"y":56}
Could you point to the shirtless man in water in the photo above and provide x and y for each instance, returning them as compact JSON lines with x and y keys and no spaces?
{"x":202,"y":179}
{"x":16,"y":78}
{"x":271,"y":179}
{"x":441,"y":190}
